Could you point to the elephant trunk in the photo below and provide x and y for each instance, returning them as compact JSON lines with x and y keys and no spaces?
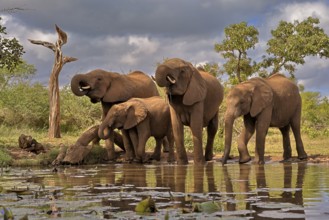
{"x":104,"y":128}
{"x":162,"y":77}
{"x":76,"y":83}
{"x":229,"y":121}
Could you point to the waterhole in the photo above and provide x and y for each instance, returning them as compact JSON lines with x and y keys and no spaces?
{"x":270,"y":191}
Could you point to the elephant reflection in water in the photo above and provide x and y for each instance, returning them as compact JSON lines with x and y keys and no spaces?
{"x":262,"y":193}
{"x":177,"y":179}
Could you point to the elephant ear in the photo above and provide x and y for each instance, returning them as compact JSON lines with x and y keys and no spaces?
{"x":261,"y":98}
{"x":196,"y":90}
{"x":136,"y":113}
{"x":118,"y":90}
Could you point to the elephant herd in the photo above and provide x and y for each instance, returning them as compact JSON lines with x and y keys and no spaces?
{"x":131,"y":103}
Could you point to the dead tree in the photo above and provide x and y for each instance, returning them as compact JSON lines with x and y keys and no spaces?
{"x":54,"y":101}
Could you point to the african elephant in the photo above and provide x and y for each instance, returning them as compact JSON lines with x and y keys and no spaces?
{"x":141,"y":118}
{"x":264,"y":103}
{"x":111,"y":88}
{"x":194,"y":98}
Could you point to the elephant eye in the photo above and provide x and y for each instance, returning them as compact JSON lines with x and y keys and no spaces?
{"x":99,"y":79}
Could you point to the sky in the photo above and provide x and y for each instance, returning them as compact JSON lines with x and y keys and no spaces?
{"x":126,"y":35}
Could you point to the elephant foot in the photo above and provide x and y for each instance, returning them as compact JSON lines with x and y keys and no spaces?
{"x":182,"y":162}
{"x":286,"y":160}
{"x":259,"y":162}
{"x":208,"y":157}
{"x":181,"y":159}
{"x":244,"y":159}
{"x":137,"y":161}
{"x":303,"y":157}
{"x":199,"y":162}
{"x":155,"y":157}
{"x":111,"y":155}
{"x":171,"y":160}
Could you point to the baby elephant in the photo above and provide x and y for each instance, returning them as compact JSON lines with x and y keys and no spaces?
{"x":141,"y":118}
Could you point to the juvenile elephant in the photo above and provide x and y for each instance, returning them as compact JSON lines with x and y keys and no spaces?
{"x":111,"y":88}
{"x":194,"y":98}
{"x":264,"y":103}
{"x":140,"y":119}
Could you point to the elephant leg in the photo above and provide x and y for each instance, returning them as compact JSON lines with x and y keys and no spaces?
{"x":134,"y":140}
{"x":130,"y":152}
{"x":157,"y":151}
{"x":286,"y":142}
{"x":165,"y":144}
{"x":143,"y":133}
{"x":246,"y":134}
{"x":211,"y":132}
{"x":295,"y":126}
{"x":171,"y":153}
{"x":109,"y":144}
{"x":196,"y":123}
{"x":262,"y":124}
{"x":178,"y":132}
{"x":118,"y":140}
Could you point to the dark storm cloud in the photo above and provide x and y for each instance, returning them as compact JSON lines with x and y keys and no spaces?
{"x":124,"y":35}
{"x":171,"y":17}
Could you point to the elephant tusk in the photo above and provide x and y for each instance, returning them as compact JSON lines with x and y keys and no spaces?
{"x":84,"y":88}
{"x":171,"y":80}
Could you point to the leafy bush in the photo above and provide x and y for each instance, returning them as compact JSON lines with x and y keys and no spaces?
{"x":5,"y":158}
{"x":315,"y":114}
{"x":77,"y":112}
{"x":26,"y":105}
{"x":23,"y":104}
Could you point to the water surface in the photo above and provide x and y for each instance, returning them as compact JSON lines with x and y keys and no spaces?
{"x":270,"y":191}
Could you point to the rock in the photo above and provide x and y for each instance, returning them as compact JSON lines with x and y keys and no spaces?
{"x":29,"y":144}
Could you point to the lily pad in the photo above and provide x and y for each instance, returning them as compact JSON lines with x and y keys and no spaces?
{"x":273,"y":205}
{"x":277,"y":214}
{"x":146,"y":206}
{"x":206,"y":207}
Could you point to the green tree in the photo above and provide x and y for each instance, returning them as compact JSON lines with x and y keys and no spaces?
{"x":24,"y":104}
{"x":21,"y":72}
{"x":211,"y":68}
{"x":315,"y":114}
{"x":292,"y":42}
{"x":239,"y":38}
{"x":10,"y":51}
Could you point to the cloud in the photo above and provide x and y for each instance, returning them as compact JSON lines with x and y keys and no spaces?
{"x":127,"y":35}
{"x":139,"y":46}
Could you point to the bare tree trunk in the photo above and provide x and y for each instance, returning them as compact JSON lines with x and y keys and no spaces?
{"x":54,"y":101}
{"x":54,"y":104}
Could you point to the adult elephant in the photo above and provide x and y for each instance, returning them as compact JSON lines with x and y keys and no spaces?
{"x":141,"y":119}
{"x":264,"y":103}
{"x":194,"y":98}
{"x":111,"y":88}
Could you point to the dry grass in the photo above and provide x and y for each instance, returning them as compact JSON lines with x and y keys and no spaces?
{"x":313,"y":146}
{"x":273,"y":145}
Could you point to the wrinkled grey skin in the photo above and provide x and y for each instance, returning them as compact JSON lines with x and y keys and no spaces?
{"x":141,"y":119}
{"x":110,"y":88}
{"x":264,"y":103}
{"x":194,"y":97}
